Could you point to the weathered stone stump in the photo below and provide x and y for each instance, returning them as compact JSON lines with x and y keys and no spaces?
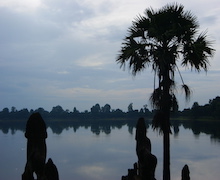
{"x":147,"y":162}
{"x":185,"y":173}
{"x":36,"y":135}
{"x":132,"y":174}
{"x":51,"y":171}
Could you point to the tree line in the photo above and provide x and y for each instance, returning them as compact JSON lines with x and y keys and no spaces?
{"x":209,"y":110}
{"x":57,"y":112}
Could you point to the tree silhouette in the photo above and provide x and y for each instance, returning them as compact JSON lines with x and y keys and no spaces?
{"x":57,"y":111}
{"x":106,"y":108}
{"x":130,"y":107}
{"x":96,"y":108}
{"x":159,"y":39}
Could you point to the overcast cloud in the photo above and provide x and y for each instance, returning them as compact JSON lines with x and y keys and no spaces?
{"x":62,"y":52}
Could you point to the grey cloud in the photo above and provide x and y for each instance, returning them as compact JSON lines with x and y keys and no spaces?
{"x":210,"y":20}
{"x":23,"y":28}
{"x":66,"y":12}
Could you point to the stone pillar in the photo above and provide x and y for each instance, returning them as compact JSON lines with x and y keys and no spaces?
{"x":36,"y":147}
{"x":146,"y":161}
{"x":185,"y":173}
{"x":51,"y":171}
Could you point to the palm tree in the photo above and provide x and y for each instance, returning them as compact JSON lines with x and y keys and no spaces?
{"x":159,"y":39}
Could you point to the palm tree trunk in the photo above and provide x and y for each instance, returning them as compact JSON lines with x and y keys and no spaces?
{"x":166,"y":104}
{"x":166,"y":156}
{"x":166,"y":143}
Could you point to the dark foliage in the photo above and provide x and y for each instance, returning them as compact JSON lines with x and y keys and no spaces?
{"x":210,"y":110}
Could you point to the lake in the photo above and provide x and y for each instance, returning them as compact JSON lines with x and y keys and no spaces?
{"x":97,"y":153}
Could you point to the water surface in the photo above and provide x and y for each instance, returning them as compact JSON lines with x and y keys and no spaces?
{"x":85,"y":154}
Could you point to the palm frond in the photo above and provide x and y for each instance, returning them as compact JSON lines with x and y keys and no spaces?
{"x":187,"y":92}
{"x":155,"y":98}
{"x":197,"y":53}
{"x":134,"y":54}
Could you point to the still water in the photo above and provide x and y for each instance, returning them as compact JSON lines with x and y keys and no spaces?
{"x":84,"y":155}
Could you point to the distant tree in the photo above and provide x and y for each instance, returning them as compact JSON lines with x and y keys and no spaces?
{"x":106,"y":108}
{"x":145,"y":108}
{"x":4,"y":113}
{"x":117,"y":113}
{"x":195,"y":110}
{"x":75,"y":111}
{"x":42,"y":111}
{"x":13,"y":109}
{"x":130,"y":107}
{"x":96,"y":108}
{"x":57,"y":111}
{"x":215,"y":107}
{"x":86,"y":111}
{"x":23,"y":113}
{"x":142,"y":111}
{"x":195,"y":105}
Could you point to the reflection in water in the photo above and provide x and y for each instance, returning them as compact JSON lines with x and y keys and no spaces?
{"x":81,"y":154}
{"x":88,"y":156}
{"x":102,"y":126}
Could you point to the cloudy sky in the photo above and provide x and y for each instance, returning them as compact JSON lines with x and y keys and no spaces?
{"x":62,"y":52}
